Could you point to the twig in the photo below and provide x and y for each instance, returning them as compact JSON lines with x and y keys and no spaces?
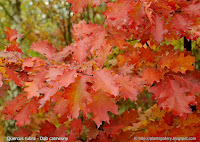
{"x":84,"y":73}
{"x":3,"y":43}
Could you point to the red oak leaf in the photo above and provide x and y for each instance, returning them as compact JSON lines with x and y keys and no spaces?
{"x":34,"y":105}
{"x":177,"y":63}
{"x":115,"y":127}
{"x":61,"y":107}
{"x":11,"y":34}
{"x":92,"y":130}
{"x":44,"y":48}
{"x":72,"y":137}
{"x":102,"y":137}
{"x":127,"y":87}
{"x":61,"y":131}
{"x":146,"y":54}
{"x":63,"y":118}
{"x":48,"y":92}
{"x":78,"y":96}
{"x":21,"y":132}
{"x":28,"y":62}
{"x":54,"y":71}
{"x":192,"y":9}
{"x":47,"y":106}
{"x":138,"y":13}
{"x":117,"y":37}
{"x":33,"y":64}
{"x":83,"y":30}
{"x":76,"y":126}
{"x":183,"y":63}
{"x":168,"y":119}
{"x":101,"y":104}
{"x":126,"y":69}
{"x":136,"y":57}
{"x":61,"y":55}
{"x":171,"y":95}
{"x":102,"y":54}
{"x":151,"y":75}
{"x":15,"y":105}
{"x":11,"y":56}
{"x":124,"y":136}
{"x":14,"y":76}
{"x":104,"y":80}
{"x":117,"y":13}
{"x":13,"y":47}
{"x":130,"y":117}
{"x":158,"y":30}
{"x":22,"y":117}
{"x":67,"y":78}
{"x":89,"y":38}
{"x":61,"y":75}
{"x":181,"y":23}
{"x":189,"y":81}
{"x":81,"y":51}
{"x":98,"y":2}
{"x":33,"y":87}
{"x":138,"y":83}
{"x":47,"y":129}
{"x":167,"y":60}
{"x":78,"y":5}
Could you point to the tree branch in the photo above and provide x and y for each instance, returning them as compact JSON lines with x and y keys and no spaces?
{"x":7,"y":13}
{"x":69,"y":24}
{"x":64,"y":28}
{"x":88,"y":17}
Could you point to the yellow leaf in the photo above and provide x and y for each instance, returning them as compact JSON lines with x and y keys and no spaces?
{"x":2,"y":70}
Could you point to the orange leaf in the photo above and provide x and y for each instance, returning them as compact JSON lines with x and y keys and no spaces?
{"x":177,"y":63}
{"x":183,"y":63}
{"x":151,"y":75}
{"x":78,"y":96}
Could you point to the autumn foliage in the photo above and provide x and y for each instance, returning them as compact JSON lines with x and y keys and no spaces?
{"x":75,"y":92}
